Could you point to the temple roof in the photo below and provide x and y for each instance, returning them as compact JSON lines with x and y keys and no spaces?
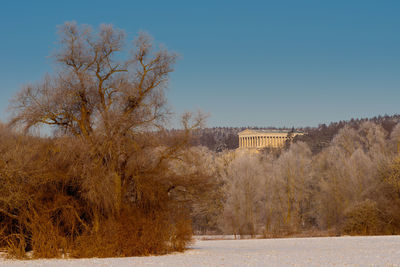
{"x":266,"y":131}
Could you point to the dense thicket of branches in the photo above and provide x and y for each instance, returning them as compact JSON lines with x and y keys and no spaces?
{"x":105,"y":184}
{"x":350,"y":186}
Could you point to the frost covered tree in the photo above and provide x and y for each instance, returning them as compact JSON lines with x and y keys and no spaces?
{"x":292,"y":177}
{"x":244,"y":190}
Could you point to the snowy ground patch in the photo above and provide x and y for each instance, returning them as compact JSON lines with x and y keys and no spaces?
{"x":320,"y":251}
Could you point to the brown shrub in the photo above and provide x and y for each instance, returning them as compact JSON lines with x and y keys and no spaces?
{"x":134,"y":233}
{"x":362,"y":219}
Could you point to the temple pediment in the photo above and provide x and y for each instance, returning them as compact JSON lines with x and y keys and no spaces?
{"x":247,"y":132}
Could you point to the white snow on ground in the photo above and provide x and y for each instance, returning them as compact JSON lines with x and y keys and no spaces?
{"x":322,"y":251}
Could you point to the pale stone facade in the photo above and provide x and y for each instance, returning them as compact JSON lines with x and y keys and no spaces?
{"x":264,"y":138}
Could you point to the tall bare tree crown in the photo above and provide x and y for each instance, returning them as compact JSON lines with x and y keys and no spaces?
{"x":96,"y":87}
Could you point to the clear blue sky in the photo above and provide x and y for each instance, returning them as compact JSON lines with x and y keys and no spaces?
{"x":247,"y":63}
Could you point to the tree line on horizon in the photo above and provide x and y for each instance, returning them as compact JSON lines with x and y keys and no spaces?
{"x":226,"y":138}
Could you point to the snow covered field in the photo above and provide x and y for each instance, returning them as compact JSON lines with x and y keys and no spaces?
{"x":325,"y":251}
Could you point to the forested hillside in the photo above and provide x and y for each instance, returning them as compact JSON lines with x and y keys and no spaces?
{"x":226,"y":138}
{"x":348,"y":185}
{"x":319,"y":137}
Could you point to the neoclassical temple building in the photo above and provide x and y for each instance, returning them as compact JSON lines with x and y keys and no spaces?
{"x":265,"y":138}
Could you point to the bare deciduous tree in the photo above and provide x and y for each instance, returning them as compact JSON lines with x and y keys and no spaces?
{"x":115,"y":159}
{"x":99,"y":96}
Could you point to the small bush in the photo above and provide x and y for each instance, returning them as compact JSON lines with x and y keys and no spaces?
{"x":362,"y":219}
{"x":133,"y":233}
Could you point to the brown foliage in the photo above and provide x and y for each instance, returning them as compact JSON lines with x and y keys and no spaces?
{"x":362,"y":219}
{"x":105,"y":184}
{"x":134,"y":234}
{"x":52,"y":204}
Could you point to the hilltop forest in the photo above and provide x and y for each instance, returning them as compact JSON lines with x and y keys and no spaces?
{"x":226,"y":138}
